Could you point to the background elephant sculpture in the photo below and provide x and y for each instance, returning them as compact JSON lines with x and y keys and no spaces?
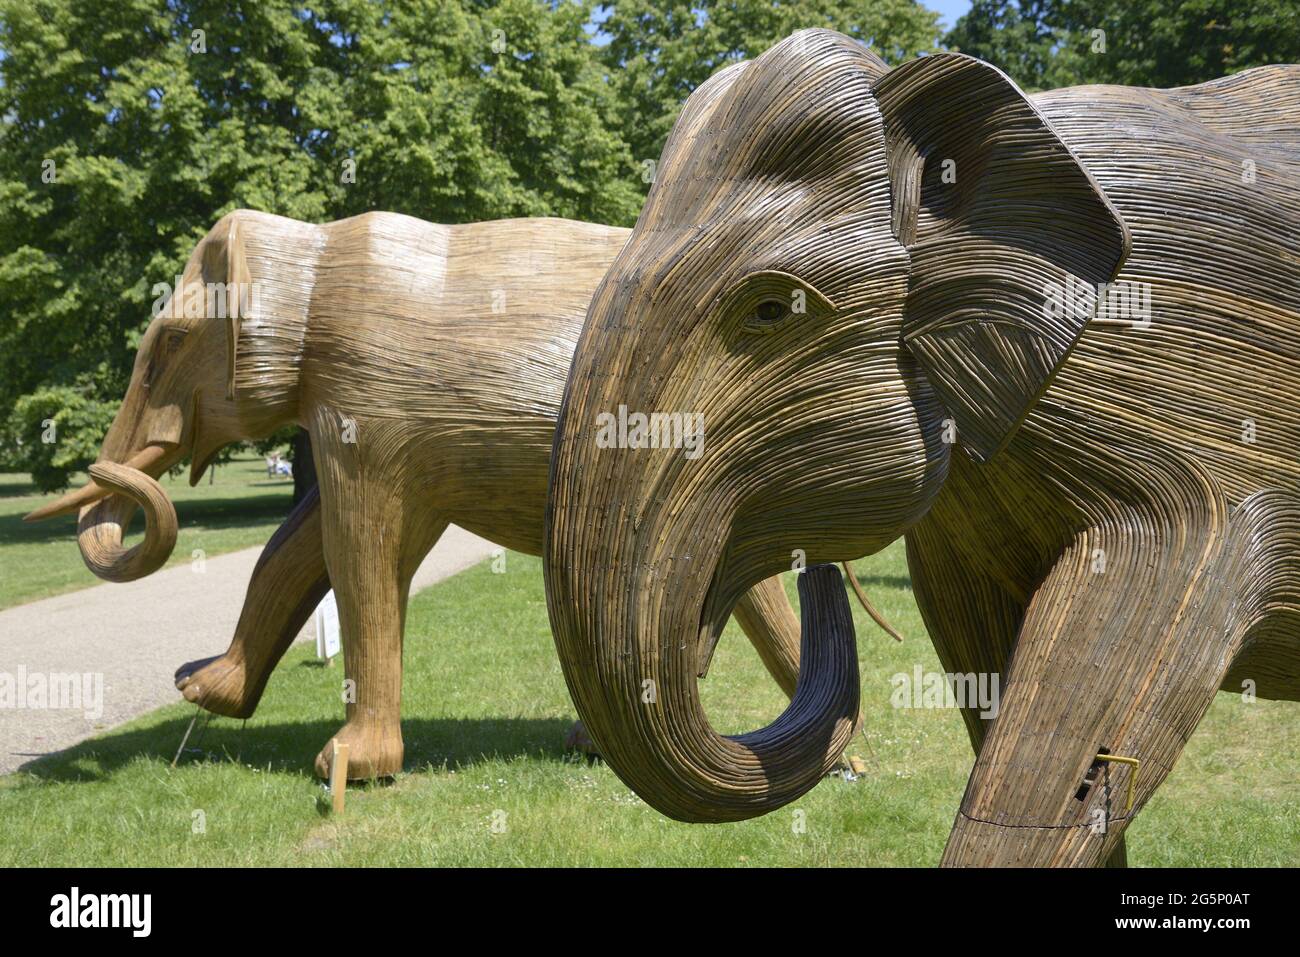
{"x":427,"y":362}
{"x":910,"y":285}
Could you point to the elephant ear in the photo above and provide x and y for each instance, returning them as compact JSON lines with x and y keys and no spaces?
{"x":225,"y":262}
{"x":996,"y":212}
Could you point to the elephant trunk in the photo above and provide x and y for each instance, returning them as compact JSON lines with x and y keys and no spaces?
{"x":103,"y":523}
{"x":629,"y":638}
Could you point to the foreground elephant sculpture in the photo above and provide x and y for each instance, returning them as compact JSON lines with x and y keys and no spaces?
{"x":858,"y":266}
{"x":427,"y":362}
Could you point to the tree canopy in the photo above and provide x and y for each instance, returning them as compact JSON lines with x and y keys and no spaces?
{"x":131,"y":127}
{"x":1043,"y":44}
{"x":128,"y":128}
{"x":659,"y":51}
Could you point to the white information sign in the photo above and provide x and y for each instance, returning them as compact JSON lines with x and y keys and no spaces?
{"x":327,"y":627}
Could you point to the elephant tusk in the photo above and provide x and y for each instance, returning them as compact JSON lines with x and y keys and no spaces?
{"x":90,"y":493}
{"x":871,"y":610}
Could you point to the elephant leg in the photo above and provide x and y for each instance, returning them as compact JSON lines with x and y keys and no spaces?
{"x":972,"y":622}
{"x":1268,"y":663}
{"x":372,"y":620}
{"x":1122,"y":648}
{"x":376,"y":528}
{"x":288,"y":582}
{"x":971,"y":619}
{"x":769,"y":622}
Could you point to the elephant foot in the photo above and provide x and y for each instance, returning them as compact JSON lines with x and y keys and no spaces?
{"x":219,"y":685}
{"x":850,"y":767}
{"x":375,"y":750}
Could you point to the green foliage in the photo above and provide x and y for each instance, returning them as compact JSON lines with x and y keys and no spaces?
{"x":1162,"y":44}
{"x":53,"y":432}
{"x":1015,"y":36}
{"x":659,"y":51}
{"x":1158,"y":43}
{"x":466,"y":116}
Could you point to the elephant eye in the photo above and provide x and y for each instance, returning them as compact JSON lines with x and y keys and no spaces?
{"x":765,"y":300}
{"x":769,"y":311}
{"x":172,"y":339}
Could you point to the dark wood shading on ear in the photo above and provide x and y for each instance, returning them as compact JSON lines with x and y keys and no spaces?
{"x":994,"y":210}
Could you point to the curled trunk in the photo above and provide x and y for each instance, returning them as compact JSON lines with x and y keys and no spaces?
{"x":103,"y":523}
{"x":657,"y":739}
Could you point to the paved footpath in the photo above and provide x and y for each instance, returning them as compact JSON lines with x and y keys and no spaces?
{"x":136,"y":635}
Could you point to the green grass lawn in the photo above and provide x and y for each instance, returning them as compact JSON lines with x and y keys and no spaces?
{"x":241,"y":507}
{"x":486,"y":711}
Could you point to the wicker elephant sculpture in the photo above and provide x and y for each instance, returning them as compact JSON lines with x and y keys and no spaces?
{"x":1050,"y":339}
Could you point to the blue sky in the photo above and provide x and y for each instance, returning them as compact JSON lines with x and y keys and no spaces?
{"x":949,"y":10}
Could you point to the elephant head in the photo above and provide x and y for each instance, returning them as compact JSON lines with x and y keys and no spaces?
{"x":840,"y":270}
{"x":216,"y":365}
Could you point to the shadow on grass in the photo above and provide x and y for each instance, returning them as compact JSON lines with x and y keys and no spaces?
{"x":16,"y":488}
{"x":291,"y":747}
{"x":210,"y":514}
{"x":889,"y":581}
